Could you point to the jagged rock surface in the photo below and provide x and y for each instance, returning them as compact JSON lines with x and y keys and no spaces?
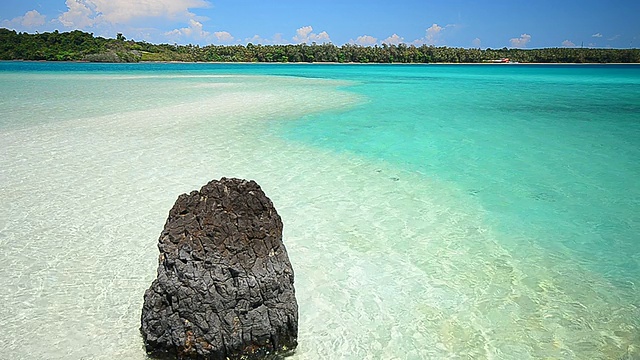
{"x":225,"y":284}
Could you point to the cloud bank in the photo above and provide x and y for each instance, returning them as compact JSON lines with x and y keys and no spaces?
{"x":305,"y":34}
{"x":366,"y":40}
{"x":30,"y":20}
{"x":520,"y":42}
{"x":88,"y":13}
{"x":433,"y":33}
{"x":394,"y":39}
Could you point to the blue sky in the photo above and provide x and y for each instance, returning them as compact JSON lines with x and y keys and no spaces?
{"x":458,"y":23}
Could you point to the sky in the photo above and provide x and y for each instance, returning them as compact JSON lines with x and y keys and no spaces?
{"x":453,"y":23}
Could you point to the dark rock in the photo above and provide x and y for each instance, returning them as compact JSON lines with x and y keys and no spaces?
{"x":225,"y":283}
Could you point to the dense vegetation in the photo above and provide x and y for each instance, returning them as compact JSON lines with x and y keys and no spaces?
{"x":78,"y":45}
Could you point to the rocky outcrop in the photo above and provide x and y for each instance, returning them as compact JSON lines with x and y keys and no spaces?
{"x":225,"y":284}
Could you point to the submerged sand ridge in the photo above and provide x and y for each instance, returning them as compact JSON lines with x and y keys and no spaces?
{"x":106,"y":180}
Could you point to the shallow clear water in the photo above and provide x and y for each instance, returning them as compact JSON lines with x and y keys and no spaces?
{"x":485,"y":212}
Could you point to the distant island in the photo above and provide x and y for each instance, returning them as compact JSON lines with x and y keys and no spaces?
{"x":81,"y":46}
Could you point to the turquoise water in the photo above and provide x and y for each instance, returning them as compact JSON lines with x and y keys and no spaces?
{"x":551,"y":152}
{"x":485,"y":212}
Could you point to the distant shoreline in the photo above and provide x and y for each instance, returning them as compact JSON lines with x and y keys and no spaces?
{"x":311,"y":63}
{"x":81,"y":46}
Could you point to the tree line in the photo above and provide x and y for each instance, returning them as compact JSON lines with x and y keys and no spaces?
{"x":81,"y":46}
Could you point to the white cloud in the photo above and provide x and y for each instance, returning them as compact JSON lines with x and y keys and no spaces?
{"x":305,"y":34}
{"x":195,"y":28}
{"x":275,"y":39}
{"x":256,"y":39}
{"x":520,"y":42}
{"x":78,"y":15}
{"x":86,"y":13}
{"x":30,"y":20}
{"x":433,"y":33}
{"x":223,"y":36}
{"x":194,"y":31}
{"x":393,"y":40}
{"x":302,"y":34}
{"x":476,"y":42}
{"x":278,"y":39}
{"x":323,"y":37}
{"x":597,"y":35}
{"x":366,"y":40}
{"x":568,"y":43}
{"x":614,"y":38}
{"x":174,"y":33}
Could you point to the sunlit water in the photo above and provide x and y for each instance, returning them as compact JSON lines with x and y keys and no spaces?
{"x":472,"y":212}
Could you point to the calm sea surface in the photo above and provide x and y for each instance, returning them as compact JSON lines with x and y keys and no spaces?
{"x":431,"y":212}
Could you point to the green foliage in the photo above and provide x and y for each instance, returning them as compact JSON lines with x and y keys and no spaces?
{"x":78,"y":45}
{"x":53,"y":46}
